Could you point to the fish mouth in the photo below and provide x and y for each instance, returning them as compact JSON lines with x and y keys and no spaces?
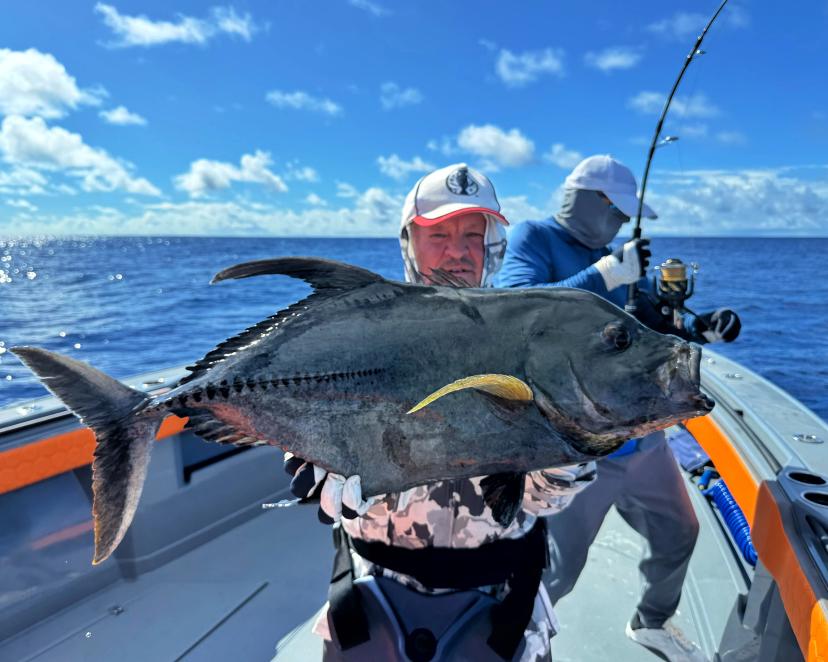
{"x":704,"y":403}
{"x":694,"y":363}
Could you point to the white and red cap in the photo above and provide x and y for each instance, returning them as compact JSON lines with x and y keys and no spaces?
{"x":449,"y":192}
{"x":612,"y":178}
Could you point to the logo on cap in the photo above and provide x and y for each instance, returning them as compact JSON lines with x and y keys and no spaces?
{"x":460,"y":183}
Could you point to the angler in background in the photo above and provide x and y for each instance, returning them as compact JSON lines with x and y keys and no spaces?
{"x":443,"y":541}
{"x":641,"y":479}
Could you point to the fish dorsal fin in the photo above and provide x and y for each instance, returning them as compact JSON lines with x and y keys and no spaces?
{"x":501,"y":386}
{"x":319,"y":273}
{"x":244,"y":339}
{"x":327,"y":277}
{"x":445,"y":278}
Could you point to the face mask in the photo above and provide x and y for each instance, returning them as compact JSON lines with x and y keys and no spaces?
{"x":589,"y":218}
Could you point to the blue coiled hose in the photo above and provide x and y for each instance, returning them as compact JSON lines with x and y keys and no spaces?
{"x":733,"y":517}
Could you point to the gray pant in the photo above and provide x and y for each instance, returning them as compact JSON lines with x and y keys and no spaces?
{"x":647,"y":490}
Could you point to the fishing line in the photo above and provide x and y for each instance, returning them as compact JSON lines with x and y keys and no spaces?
{"x":631,"y":306}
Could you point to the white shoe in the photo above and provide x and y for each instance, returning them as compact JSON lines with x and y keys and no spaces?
{"x":668,"y":641}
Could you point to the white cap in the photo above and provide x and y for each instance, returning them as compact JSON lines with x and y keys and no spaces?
{"x":448,"y":192}
{"x":614,"y":179}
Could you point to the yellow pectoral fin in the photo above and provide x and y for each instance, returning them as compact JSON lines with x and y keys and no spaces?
{"x":502,"y":386}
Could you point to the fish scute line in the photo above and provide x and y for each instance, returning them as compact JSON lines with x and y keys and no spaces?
{"x":211,"y":390}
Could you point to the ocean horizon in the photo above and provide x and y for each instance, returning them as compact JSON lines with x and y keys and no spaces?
{"x":132,"y":304}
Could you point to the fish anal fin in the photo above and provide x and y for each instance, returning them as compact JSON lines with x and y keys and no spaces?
{"x":503,"y":493}
{"x":209,"y":428}
{"x":505,"y":387}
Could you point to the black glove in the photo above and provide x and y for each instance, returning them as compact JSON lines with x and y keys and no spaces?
{"x":722,"y":325}
{"x":642,"y":248}
{"x":303,"y":485}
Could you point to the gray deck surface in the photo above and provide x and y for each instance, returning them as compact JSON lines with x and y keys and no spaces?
{"x":230,"y":599}
{"x":235,"y":597}
{"x":594,"y":615}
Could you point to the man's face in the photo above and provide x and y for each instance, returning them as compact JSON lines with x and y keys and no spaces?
{"x":455,"y":245}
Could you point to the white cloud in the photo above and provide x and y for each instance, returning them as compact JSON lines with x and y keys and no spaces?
{"x":22,"y":181}
{"x":563,"y":157}
{"x":228,"y":21}
{"x":35,"y":83}
{"x":444,"y":146}
{"x":680,"y":25}
{"x":697,"y":105}
{"x":371,"y":213}
{"x":370,"y":7}
{"x":784,"y":201}
{"x":315,"y":200}
{"x":488,"y":44}
{"x":523,"y":68}
{"x":499,"y":148}
{"x":21,"y":204}
{"x":301,"y":173}
{"x":142,"y":31}
{"x":393,"y":166}
{"x":683,"y":25}
{"x":300,"y":100}
{"x":739,"y":202}
{"x":205,"y":176}
{"x":31,"y":143}
{"x":517,"y":208}
{"x":610,"y":59}
{"x":393,"y":96}
{"x":122,"y":117}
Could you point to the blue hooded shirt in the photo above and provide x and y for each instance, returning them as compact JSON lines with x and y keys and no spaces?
{"x":544,"y":254}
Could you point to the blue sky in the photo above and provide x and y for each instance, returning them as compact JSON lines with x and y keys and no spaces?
{"x":297,"y":118}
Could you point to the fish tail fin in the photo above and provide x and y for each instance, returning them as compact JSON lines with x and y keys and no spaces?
{"x":123,"y":429}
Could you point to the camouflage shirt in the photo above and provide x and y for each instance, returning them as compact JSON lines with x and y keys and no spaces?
{"x":452,"y":513}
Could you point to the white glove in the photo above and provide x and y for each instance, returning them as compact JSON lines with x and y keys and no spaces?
{"x":338,"y":491}
{"x":624,"y":266}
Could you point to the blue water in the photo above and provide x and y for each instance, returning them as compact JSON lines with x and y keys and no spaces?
{"x":135,"y":304}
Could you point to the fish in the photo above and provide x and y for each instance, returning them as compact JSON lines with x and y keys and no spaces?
{"x":401,"y":384}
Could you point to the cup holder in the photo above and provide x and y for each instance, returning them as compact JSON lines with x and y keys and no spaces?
{"x":806,"y":478}
{"x":819,"y":498}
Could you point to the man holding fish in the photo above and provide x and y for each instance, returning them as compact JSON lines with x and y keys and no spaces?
{"x":451,"y":233}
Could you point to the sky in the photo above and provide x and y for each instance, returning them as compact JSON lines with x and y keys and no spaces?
{"x":291,"y":118}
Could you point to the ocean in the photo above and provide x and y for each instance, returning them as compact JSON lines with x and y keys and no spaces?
{"x":134,"y":304}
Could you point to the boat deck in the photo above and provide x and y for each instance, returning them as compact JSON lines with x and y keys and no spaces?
{"x":237,"y":595}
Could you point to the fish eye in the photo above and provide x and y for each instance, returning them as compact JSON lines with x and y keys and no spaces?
{"x":617,"y":336}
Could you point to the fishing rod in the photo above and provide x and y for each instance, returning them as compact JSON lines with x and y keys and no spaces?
{"x":631,"y":306}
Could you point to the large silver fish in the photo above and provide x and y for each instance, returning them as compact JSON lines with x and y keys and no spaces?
{"x":400,"y":384}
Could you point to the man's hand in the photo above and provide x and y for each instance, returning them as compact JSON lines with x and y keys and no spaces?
{"x":337,"y":496}
{"x":342,"y":497}
{"x":722,"y":325}
{"x":307,"y":482}
{"x":626,"y":264}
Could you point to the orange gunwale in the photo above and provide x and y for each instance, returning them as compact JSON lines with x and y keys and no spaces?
{"x":763,"y":505}
{"x":55,"y":455}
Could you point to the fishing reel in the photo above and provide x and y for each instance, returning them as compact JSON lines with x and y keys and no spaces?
{"x":672,"y":286}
